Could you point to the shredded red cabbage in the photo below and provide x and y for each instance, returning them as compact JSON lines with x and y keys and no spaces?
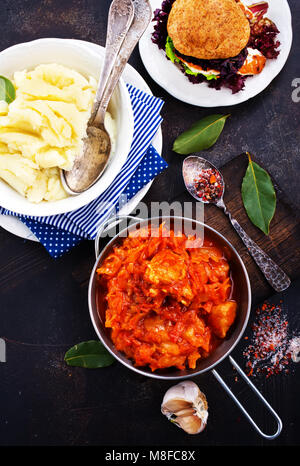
{"x":225,"y":66}
{"x":161,"y":15}
{"x":234,"y":81}
{"x":228,"y":71}
{"x":263,"y":37}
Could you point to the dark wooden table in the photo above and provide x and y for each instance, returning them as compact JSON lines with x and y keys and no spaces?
{"x":44,"y":302}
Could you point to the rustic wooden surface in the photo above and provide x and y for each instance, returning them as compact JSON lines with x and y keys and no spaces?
{"x":44,"y":302}
{"x":283,"y":242}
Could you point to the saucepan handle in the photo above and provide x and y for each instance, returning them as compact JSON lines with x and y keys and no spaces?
{"x":256,"y":391}
{"x":115,"y":219}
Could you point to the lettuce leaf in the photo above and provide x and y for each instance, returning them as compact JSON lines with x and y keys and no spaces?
{"x":171,"y":55}
{"x":189,"y":71}
{"x":170,"y":51}
{"x":211,"y":76}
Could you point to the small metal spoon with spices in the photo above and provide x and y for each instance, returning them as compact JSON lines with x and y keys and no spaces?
{"x":206,"y":184}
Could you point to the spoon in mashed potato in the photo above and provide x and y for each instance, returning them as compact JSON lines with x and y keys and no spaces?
{"x":90,"y":163}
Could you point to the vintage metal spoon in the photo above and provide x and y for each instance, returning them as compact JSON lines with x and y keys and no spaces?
{"x":141,"y":19}
{"x":277,"y":278}
{"x":90,"y":163}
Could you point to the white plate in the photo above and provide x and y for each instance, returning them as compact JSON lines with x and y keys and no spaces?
{"x":87,"y":62}
{"x":168,"y":76}
{"x":130,"y":76}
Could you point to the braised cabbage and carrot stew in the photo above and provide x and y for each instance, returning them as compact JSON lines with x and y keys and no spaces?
{"x":167,"y":303}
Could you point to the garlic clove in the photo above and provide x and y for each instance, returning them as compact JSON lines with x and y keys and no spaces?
{"x":190,"y":424}
{"x":185,"y":412}
{"x":176,"y":404}
{"x":186,"y":406}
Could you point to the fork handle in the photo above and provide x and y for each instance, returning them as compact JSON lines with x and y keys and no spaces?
{"x":276,"y":277}
{"x":120,"y":17}
{"x":142,"y":17}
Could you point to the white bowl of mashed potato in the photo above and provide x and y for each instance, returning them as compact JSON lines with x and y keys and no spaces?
{"x":42,"y":129}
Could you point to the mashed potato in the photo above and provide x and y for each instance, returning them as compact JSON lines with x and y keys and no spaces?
{"x":41,"y":131}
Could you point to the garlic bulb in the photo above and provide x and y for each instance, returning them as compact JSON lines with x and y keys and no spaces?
{"x":186,"y":406}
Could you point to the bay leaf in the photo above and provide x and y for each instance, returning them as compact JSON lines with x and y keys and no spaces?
{"x":259,"y":197}
{"x":7,"y":90}
{"x":201,"y":135}
{"x":89,"y":354}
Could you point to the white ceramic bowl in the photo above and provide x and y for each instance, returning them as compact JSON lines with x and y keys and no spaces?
{"x":87,"y":62}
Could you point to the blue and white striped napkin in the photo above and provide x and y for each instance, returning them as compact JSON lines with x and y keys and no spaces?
{"x":59,"y":233}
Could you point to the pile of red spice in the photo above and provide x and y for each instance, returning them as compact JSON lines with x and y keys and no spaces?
{"x":209,"y":185}
{"x":272,"y":348}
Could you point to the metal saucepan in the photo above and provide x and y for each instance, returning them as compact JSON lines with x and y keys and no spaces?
{"x":242,"y":294}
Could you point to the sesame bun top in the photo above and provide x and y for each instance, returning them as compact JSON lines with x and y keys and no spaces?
{"x":208,"y":29}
